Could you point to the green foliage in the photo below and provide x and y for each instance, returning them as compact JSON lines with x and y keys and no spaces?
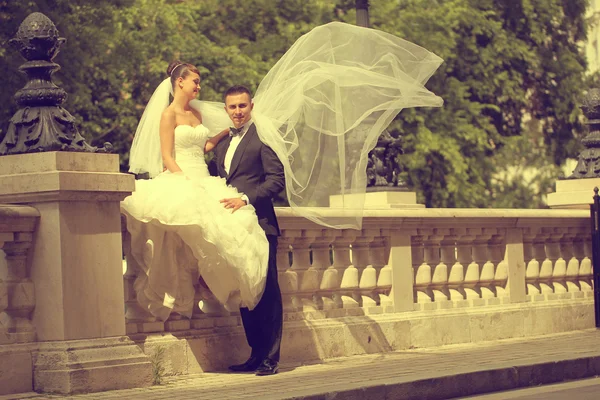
{"x":157,"y":360}
{"x":506,"y":62}
{"x":117,"y":52}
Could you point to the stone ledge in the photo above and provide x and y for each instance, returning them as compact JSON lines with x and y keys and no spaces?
{"x":17,"y":186}
{"x":63,"y":176}
{"x":58,"y":161}
{"x":309,"y":340}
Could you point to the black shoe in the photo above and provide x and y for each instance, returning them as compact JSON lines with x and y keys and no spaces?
{"x":267,"y":367}
{"x":249,"y":366}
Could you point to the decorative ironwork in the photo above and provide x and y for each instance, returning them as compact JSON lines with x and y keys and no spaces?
{"x":41,"y":124}
{"x":382,"y":167}
{"x":595,"y":223}
{"x":362,"y":4}
{"x":362,"y":13}
{"x":383,"y":170}
{"x":588,"y":164}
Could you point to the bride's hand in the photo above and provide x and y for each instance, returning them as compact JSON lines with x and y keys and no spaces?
{"x":180,"y":173}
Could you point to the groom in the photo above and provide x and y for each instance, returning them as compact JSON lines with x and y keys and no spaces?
{"x":253,"y":168}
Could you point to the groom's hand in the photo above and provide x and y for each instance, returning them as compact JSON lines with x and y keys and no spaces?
{"x":233,"y":204}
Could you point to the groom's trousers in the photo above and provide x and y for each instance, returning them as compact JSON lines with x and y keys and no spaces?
{"x":263,"y":325}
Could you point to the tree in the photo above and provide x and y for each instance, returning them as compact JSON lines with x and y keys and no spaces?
{"x":117,"y":52}
{"x":504,"y":61}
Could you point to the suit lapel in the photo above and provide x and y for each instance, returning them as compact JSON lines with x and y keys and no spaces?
{"x":239,"y":152}
{"x":221,"y":156}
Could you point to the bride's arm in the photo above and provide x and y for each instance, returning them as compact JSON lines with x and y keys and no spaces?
{"x":213,"y":141}
{"x":167,"y":140}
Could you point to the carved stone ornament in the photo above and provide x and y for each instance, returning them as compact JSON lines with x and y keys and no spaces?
{"x":383,"y":169}
{"x":588,"y":163}
{"x":41,"y":124}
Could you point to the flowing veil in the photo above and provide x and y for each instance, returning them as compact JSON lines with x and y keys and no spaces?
{"x":322,"y":107}
{"x":145,"y":155}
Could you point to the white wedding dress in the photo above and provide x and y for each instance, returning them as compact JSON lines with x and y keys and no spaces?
{"x":180,"y":231}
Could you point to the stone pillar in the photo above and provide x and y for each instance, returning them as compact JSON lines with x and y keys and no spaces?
{"x":401,"y":262}
{"x":576,"y":192}
{"x":515,"y":259}
{"x":76,"y":269}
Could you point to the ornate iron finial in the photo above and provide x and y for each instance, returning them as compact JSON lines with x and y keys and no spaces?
{"x":41,"y":124}
{"x":588,"y":164}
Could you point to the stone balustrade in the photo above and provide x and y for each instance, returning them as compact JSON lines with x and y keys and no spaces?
{"x":410,"y":260}
{"x":17,"y":295}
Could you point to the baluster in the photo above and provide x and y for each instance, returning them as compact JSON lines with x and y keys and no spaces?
{"x":559,"y":269}
{"x":332,"y":277}
{"x":342,"y":261}
{"x":288,"y":279}
{"x":421,"y":271}
{"x":532,"y":251}
{"x":582,"y":248}
{"x":482,"y":253}
{"x":540,"y":247}
{"x":367,"y":273}
{"x":439,"y":278}
{"x":202,"y":318}
{"x":497,"y":250}
{"x":4,"y":237}
{"x":467,"y":254}
{"x":321,"y":262}
{"x":19,"y":290}
{"x":568,"y":253}
{"x":307,"y":276}
{"x":449,"y":256}
{"x":379,"y":254}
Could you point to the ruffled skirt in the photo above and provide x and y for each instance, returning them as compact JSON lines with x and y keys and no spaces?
{"x":180,"y":232}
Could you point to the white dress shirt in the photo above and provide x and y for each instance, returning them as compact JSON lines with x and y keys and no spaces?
{"x":233,"y":145}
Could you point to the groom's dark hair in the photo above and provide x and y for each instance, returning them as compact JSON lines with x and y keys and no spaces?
{"x":237,"y":89}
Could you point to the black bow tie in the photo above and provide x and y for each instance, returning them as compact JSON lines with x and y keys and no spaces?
{"x":235,"y":131}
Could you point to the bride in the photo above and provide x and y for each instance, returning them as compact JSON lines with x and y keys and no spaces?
{"x":321,"y":109}
{"x":179,"y":229}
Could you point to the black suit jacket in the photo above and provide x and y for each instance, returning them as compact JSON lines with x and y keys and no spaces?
{"x":255,"y":171}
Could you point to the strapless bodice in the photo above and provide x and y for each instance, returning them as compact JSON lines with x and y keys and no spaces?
{"x":189,"y":149}
{"x":190,"y":140}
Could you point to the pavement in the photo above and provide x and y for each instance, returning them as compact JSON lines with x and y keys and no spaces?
{"x":448,"y":372}
{"x":584,"y":389}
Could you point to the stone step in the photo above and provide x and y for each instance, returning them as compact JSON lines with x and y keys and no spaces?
{"x":431,"y":373}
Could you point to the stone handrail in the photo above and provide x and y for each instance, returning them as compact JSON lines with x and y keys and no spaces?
{"x":411,"y":260}
{"x":17,"y":295}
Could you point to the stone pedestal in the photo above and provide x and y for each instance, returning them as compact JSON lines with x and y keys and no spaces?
{"x":82,"y":366}
{"x":76,"y":261}
{"x":573,"y":193}
{"x":378,"y":200}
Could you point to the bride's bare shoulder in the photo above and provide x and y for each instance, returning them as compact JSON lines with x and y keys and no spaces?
{"x":169,"y":113}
